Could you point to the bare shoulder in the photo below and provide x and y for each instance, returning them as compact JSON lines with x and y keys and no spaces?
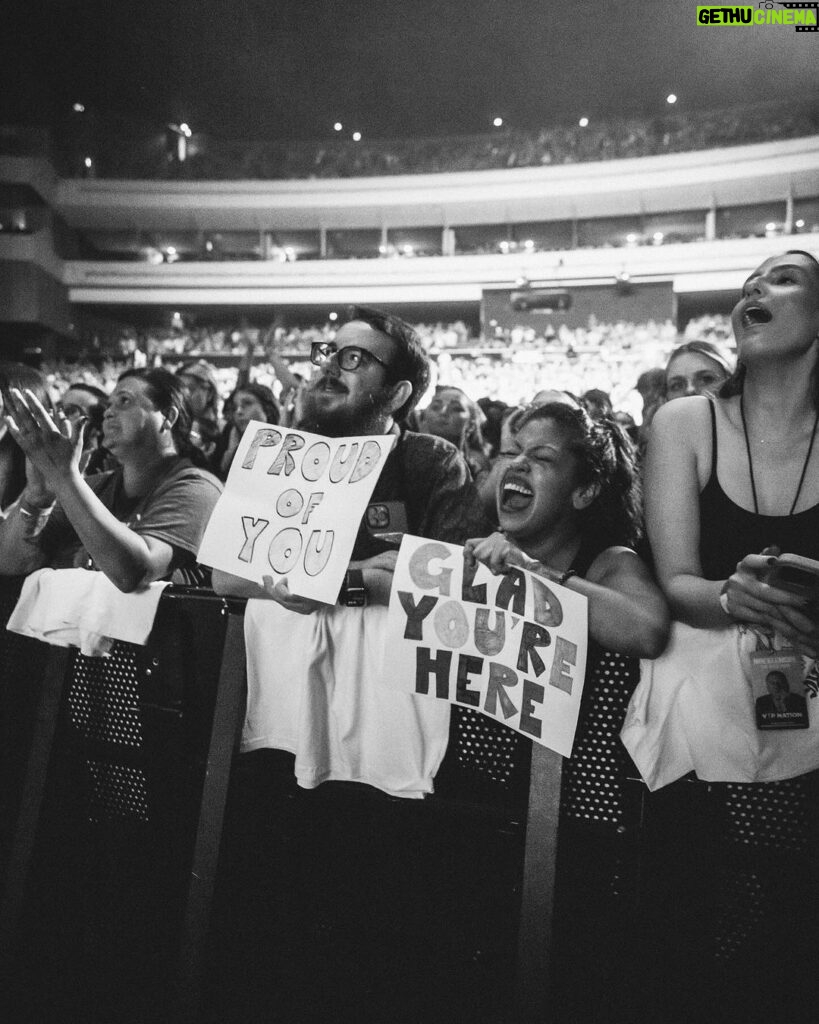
{"x":680,"y":435}
{"x":616,"y":562}
{"x":687,"y":417}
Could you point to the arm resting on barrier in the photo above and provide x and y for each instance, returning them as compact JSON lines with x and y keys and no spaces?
{"x":377,"y":571}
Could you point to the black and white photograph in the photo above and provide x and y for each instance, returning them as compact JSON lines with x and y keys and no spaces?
{"x":409,"y":512}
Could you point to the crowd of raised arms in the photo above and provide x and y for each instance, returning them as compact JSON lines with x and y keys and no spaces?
{"x":674,"y":505}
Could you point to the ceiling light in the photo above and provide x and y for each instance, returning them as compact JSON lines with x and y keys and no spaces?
{"x":498,"y":122}
{"x":671,"y":98}
{"x":583,"y":122}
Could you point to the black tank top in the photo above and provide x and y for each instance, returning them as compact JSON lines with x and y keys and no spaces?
{"x":728,"y":533}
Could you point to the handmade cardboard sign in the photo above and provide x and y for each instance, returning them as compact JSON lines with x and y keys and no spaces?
{"x":511,"y":646}
{"x":291,"y":507}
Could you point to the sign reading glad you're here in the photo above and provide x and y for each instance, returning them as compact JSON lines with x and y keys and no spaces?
{"x":511,"y":646}
{"x":291,"y":507}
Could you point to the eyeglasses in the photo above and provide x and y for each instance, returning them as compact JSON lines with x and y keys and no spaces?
{"x":349,"y":358}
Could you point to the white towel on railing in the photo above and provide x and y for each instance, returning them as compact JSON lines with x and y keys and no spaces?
{"x":693,"y":710}
{"x":82,"y":608}
{"x":316,"y":688}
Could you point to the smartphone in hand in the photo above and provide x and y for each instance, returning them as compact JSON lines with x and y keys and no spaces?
{"x":796,"y":575}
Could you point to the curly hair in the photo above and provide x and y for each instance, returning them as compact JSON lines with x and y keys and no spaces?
{"x":605,"y":457}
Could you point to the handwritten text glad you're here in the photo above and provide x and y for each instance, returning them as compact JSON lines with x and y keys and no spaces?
{"x":511,"y":646}
{"x":291,"y":507}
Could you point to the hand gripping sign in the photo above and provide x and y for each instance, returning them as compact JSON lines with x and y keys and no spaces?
{"x":291,"y":507}
{"x":511,"y":646}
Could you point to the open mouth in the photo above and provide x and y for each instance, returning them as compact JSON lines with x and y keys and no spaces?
{"x":754,"y":315}
{"x":515,"y":496}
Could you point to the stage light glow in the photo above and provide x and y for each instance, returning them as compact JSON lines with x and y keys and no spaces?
{"x":583,"y":122}
{"x":333,"y":316}
{"x":799,"y":224}
{"x":498,"y":122}
{"x":671,"y":98}
{"x":337,"y":126}
{"x":78,"y":108}
{"x":356,"y":136}
{"x":88,"y":161}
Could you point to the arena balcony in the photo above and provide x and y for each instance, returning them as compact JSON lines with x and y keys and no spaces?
{"x":111,"y":152}
{"x":641,"y":227}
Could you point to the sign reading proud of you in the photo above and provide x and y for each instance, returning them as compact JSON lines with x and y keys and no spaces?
{"x":512,"y":646}
{"x":291,"y":507}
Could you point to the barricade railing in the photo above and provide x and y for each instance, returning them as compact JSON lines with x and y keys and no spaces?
{"x":145,"y":721}
{"x":173,"y":710}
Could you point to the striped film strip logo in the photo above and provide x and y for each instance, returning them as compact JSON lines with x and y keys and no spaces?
{"x":802,"y":7}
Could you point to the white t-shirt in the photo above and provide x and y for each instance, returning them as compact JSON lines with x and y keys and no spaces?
{"x":315,"y":688}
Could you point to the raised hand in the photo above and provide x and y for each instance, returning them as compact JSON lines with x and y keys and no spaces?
{"x":52,"y":445}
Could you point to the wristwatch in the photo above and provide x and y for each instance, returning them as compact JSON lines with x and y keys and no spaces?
{"x":353,"y":592}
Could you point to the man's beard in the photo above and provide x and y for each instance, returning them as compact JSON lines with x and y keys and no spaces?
{"x":369,"y":417}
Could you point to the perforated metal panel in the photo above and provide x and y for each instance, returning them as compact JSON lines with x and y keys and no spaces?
{"x":103,"y":697}
{"x":767,"y":828}
{"x":743,"y":909}
{"x":775,"y":815}
{"x":485,"y":747}
{"x":117,"y":792}
{"x":103,"y":707}
{"x":595,"y":775}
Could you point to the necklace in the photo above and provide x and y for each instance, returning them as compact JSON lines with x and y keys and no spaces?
{"x":751,"y":464}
